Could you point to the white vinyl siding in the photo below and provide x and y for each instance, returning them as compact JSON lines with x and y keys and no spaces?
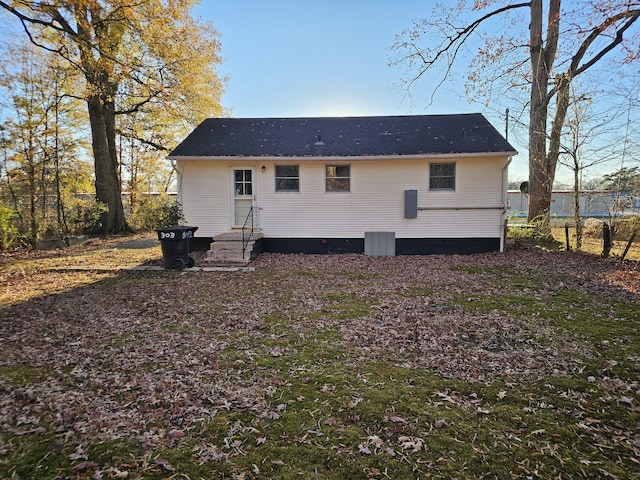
{"x":205,"y":195}
{"x":375,"y":201}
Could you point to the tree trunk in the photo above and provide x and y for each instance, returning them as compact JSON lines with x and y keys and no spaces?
{"x":29,"y":156}
{"x":541,"y":166}
{"x":576,"y":204}
{"x":540,"y":185}
{"x":539,"y":201}
{"x":108,"y":190}
{"x":33,"y":222}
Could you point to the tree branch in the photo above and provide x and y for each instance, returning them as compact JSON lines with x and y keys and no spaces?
{"x":138,"y":106}
{"x":632,"y":16}
{"x":454,"y":42}
{"x":151,"y":143}
{"x":575,"y":68}
{"x":24,"y":18}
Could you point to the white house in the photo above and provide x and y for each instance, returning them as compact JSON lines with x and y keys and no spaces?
{"x":400,"y":185}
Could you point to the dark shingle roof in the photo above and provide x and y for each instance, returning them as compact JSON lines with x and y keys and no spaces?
{"x":343,"y":136}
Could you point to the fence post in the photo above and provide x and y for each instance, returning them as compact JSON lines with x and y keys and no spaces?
{"x":629,"y":242}
{"x":566,"y":236}
{"x":606,"y":240}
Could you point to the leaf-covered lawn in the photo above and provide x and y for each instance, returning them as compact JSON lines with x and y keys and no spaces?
{"x":516,"y":365}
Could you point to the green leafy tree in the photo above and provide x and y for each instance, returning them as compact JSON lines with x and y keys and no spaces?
{"x":625,"y":181}
{"x":40,"y":140}
{"x":133,"y":60}
{"x":144,"y":167}
{"x":8,"y":230}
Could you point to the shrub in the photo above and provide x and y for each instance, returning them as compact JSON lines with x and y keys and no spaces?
{"x":8,"y":230}
{"x":622,"y":227}
{"x":533,"y":234}
{"x":84,"y":216}
{"x":156,"y":212}
{"x":593,"y":227}
{"x":50,"y":228}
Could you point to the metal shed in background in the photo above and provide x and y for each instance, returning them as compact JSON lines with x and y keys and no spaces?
{"x":593,"y":203}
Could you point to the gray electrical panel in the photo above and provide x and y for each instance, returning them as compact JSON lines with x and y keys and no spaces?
{"x":410,"y":203}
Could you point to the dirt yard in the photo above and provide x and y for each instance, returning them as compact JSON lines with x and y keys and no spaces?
{"x":340,"y":366}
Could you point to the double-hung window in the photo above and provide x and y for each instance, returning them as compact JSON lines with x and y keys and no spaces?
{"x":442,"y":176}
{"x":287,"y":178}
{"x":338,"y":178}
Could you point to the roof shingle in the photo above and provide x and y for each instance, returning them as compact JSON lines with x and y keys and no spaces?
{"x":343,"y":137}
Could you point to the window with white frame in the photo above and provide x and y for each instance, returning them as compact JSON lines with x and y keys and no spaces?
{"x":243,"y":184}
{"x":287,"y":178}
{"x":338,"y":178}
{"x":442,"y":176}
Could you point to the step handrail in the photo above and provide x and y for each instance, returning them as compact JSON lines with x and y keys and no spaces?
{"x":246,"y":238}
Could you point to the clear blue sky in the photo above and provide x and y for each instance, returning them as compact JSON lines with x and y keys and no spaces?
{"x":302,"y":58}
{"x":296,"y":58}
{"x":287,"y":58}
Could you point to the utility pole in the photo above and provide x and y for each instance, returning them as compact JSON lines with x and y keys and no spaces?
{"x":506,"y":128}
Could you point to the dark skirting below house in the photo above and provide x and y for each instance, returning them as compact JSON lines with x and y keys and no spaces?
{"x":312,"y":245}
{"x":446,"y":246}
{"x":404,"y":246}
{"x":199,"y":244}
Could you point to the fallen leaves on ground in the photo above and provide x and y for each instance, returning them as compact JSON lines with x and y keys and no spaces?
{"x":112,"y":354}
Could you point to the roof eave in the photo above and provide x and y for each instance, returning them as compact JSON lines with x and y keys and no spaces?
{"x":509,"y":153}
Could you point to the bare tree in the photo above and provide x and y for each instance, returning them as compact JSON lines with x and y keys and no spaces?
{"x":579,"y":151}
{"x":546,"y":55}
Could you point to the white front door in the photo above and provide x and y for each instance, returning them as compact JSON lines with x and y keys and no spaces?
{"x":243,"y":195}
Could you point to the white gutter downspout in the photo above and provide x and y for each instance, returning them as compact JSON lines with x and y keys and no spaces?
{"x":505,"y":201}
{"x":174,"y":165}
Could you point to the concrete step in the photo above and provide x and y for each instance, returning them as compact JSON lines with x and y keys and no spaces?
{"x":226,"y":248}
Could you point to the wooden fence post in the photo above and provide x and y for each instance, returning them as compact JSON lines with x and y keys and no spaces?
{"x":629,"y":242}
{"x":606,"y":240}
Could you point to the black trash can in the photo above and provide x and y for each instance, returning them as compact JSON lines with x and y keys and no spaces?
{"x":175,"y":246}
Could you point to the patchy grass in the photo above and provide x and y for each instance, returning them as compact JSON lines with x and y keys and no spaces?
{"x":520,"y":365}
{"x":591,"y":241}
{"x":21,"y":374}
